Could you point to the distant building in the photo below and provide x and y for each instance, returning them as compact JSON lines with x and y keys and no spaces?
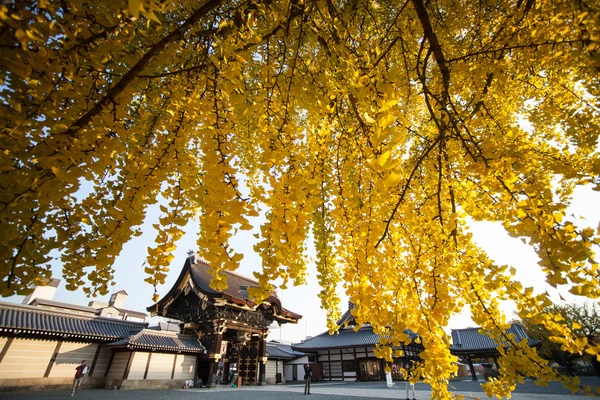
{"x":283,"y":363}
{"x":42,"y":297}
{"x":349,"y":354}
{"x":471,"y":344}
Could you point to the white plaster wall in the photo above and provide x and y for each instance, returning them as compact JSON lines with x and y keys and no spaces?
{"x":138,"y":365}
{"x":185,"y":367}
{"x":101,"y":362}
{"x":27,"y":358}
{"x":161,"y":366}
{"x":119,"y":363}
{"x":70,"y":356}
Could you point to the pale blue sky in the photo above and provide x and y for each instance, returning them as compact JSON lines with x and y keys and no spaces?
{"x":503,"y":249}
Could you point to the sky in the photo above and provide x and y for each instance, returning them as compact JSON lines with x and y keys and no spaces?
{"x":503,"y":249}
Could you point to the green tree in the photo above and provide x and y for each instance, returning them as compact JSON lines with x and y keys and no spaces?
{"x":379,"y":126}
{"x":582,"y":319}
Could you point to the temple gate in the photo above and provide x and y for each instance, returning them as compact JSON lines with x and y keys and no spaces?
{"x":231,"y":327}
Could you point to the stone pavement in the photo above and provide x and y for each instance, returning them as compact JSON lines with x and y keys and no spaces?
{"x":320,"y":391}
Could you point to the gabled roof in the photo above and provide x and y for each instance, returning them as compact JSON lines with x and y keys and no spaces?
{"x":471,"y":340}
{"x":199,"y":272}
{"x":347,"y":317}
{"x":282,"y":351}
{"x":344,"y":338}
{"x":19,"y":318}
{"x":152,"y":340}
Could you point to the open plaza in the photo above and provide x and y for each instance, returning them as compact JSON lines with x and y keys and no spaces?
{"x":320,"y":391}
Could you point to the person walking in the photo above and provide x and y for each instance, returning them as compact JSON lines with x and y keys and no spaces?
{"x":80,"y":372}
{"x":307,"y":378}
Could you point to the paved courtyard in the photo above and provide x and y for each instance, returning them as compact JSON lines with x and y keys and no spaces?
{"x":320,"y":391}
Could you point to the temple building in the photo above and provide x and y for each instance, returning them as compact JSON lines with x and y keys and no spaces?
{"x":217,"y":337}
{"x":348,"y":355}
{"x":41,"y":343}
{"x":470,"y":345}
{"x":231,"y":327}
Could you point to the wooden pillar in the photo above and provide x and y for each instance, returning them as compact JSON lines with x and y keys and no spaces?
{"x":147,"y":365}
{"x":110,"y":361}
{"x":262,"y":358}
{"x":342,"y":363}
{"x":215,"y":354}
{"x":175,"y":365}
{"x":356,"y":365}
{"x":96,"y":355}
{"x":53,"y":359}
{"x":5,"y":348}
{"x":496,"y":363}
{"x":473,"y":374}
{"x":329,"y":362}
{"x":128,"y":368}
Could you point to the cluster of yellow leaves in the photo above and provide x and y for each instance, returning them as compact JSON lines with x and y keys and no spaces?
{"x":376,"y":128}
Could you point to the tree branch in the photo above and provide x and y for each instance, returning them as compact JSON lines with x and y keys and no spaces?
{"x":116,"y":90}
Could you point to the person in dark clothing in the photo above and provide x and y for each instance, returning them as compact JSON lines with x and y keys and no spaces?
{"x":80,"y":372}
{"x":307,"y":378}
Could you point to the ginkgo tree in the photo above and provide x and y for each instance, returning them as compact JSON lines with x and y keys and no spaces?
{"x":375,"y":127}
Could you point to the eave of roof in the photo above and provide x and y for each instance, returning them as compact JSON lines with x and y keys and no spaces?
{"x":470,"y":340}
{"x":281,"y":351}
{"x":343,"y":339}
{"x":22,"y":319}
{"x":153,"y":340}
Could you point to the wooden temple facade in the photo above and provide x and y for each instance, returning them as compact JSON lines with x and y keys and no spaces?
{"x":349,"y":354}
{"x":231,"y":327}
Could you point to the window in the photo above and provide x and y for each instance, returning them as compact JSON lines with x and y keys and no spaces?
{"x":312,"y":359}
{"x":349,"y":366}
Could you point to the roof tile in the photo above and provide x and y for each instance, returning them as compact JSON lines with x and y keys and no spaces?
{"x":157,"y":340}
{"x":346,"y":337}
{"x":470,"y":339}
{"x":38,"y":320}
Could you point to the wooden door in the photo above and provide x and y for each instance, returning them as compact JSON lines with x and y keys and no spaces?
{"x":369,"y":370}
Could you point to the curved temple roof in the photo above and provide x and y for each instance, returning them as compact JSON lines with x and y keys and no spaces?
{"x":198,"y":272}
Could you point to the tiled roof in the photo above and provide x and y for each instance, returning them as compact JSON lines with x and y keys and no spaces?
{"x":236,"y":292}
{"x":287,"y":348}
{"x":470,"y":339}
{"x":201,"y":272}
{"x":282,"y":351}
{"x":160,"y":340}
{"x":19,"y":318}
{"x":346,"y":337}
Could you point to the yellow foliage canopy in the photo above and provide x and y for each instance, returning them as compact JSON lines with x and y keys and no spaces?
{"x":380,"y":126}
